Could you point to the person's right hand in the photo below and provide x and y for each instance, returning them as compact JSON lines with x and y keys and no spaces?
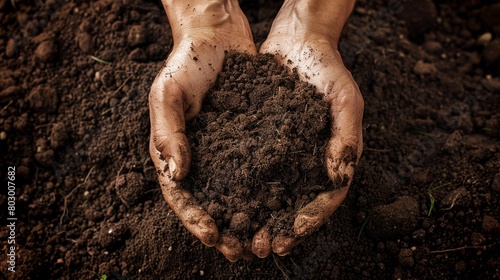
{"x":203,"y":32}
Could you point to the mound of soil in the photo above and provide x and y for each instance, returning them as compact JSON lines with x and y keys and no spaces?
{"x":258,"y":146}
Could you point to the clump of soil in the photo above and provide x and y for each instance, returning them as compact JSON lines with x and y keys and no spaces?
{"x":258,"y":146}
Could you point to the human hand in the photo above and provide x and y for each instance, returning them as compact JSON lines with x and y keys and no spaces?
{"x":203,"y":31}
{"x":308,"y":43}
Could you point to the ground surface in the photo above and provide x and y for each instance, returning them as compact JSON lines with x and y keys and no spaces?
{"x":424,"y":202}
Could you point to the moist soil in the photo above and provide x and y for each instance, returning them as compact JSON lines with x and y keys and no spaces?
{"x":74,"y":122}
{"x":258,"y":147}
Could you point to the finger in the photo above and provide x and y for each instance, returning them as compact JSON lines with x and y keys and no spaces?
{"x":314,"y":214}
{"x":261,"y":243}
{"x":192,"y":216}
{"x":230,"y":247}
{"x":168,"y":128}
{"x":283,"y":245}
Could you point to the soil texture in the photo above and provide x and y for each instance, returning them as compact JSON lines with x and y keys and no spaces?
{"x":258,"y":147}
{"x":74,"y":82}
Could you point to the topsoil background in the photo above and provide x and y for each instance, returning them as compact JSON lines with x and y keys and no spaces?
{"x":423,"y":204}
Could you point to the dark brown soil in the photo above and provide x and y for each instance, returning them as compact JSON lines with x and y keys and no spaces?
{"x":258,"y":147}
{"x":423,"y":204}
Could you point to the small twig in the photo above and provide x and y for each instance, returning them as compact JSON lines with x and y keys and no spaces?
{"x":42,"y":125}
{"x":6,"y":106}
{"x":122,"y":85}
{"x":65,"y":209}
{"x":485,"y":247}
{"x":453,"y":201}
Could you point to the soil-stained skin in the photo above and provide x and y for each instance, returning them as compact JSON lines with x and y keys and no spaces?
{"x":258,"y":147}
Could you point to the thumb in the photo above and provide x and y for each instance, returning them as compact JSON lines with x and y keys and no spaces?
{"x":168,"y":128}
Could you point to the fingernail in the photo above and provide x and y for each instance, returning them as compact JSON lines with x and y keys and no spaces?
{"x":172,"y":167}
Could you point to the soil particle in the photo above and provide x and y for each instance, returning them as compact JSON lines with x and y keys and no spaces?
{"x":130,"y":187}
{"x":490,"y":224}
{"x":23,"y":173}
{"x":10,"y":92}
{"x":112,"y":236}
{"x":46,"y":51}
{"x":422,"y":68}
{"x":43,"y":99}
{"x":85,"y":26}
{"x":155,"y":52}
{"x":107,"y":79}
{"x":477,"y":239}
{"x":138,"y":55}
{"x":433,"y":47}
{"x":93,"y":215}
{"x":21,"y":122}
{"x":405,"y":258}
{"x":453,"y":142}
{"x":11,"y":49}
{"x":418,"y":235}
{"x":240,"y":222}
{"x":45,"y":158}
{"x":137,"y":36}
{"x":58,"y":135}
{"x":85,"y":42}
{"x":394,"y":220}
{"x":418,"y":15}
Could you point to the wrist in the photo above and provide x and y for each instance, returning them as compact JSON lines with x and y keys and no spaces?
{"x":313,"y":19}
{"x":185,"y":17}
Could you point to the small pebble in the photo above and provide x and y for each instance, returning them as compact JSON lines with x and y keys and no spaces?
{"x":423,"y":68}
{"x":484,"y":39}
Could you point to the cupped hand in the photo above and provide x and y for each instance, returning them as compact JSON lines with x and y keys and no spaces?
{"x":317,"y":61}
{"x":203,"y":32}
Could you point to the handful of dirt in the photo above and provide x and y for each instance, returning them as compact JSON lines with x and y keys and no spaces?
{"x":258,"y":147}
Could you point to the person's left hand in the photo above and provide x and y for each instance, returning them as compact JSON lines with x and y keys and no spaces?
{"x":318,"y":62}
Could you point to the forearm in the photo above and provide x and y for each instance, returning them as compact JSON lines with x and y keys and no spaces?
{"x":318,"y":17}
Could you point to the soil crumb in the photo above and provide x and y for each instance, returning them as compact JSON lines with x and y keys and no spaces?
{"x":258,"y":147}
